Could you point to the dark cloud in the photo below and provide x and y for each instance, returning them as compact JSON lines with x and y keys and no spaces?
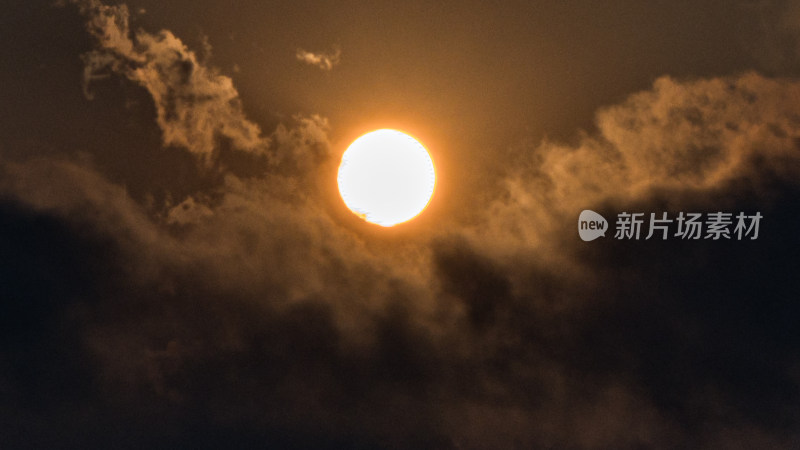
{"x":247,"y":313}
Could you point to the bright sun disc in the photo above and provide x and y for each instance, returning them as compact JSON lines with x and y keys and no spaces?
{"x":386,"y":177}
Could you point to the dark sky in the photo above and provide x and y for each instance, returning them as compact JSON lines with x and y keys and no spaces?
{"x":178,"y":270}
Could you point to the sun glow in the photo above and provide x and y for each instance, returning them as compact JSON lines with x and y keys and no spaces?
{"x":386,"y":177}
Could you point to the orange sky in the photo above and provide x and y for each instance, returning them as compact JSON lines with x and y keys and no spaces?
{"x":178,"y":270}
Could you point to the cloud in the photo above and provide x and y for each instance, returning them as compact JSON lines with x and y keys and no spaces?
{"x":325,"y":61}
{"x":196,"y":106}
{"x":247,"y":314}
{"x":690,"y":137}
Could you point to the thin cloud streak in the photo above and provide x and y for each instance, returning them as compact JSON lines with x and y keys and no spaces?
{"x":324,"y":61}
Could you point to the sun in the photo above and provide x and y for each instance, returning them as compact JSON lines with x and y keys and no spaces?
{"x":386,"y":177}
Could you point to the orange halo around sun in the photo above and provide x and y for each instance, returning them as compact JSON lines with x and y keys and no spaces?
{"x":386,"y":177}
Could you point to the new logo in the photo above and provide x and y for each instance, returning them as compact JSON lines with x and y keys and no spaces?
{"x":591,"y":225}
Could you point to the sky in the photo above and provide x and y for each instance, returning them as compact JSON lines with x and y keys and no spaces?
{"x":179,"y":271}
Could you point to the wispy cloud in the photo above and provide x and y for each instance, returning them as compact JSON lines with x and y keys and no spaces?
{"x":196,"y":106}
{"x":250,"y":309}
{"x":686,"y":136}
{"x":325,"y":61}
